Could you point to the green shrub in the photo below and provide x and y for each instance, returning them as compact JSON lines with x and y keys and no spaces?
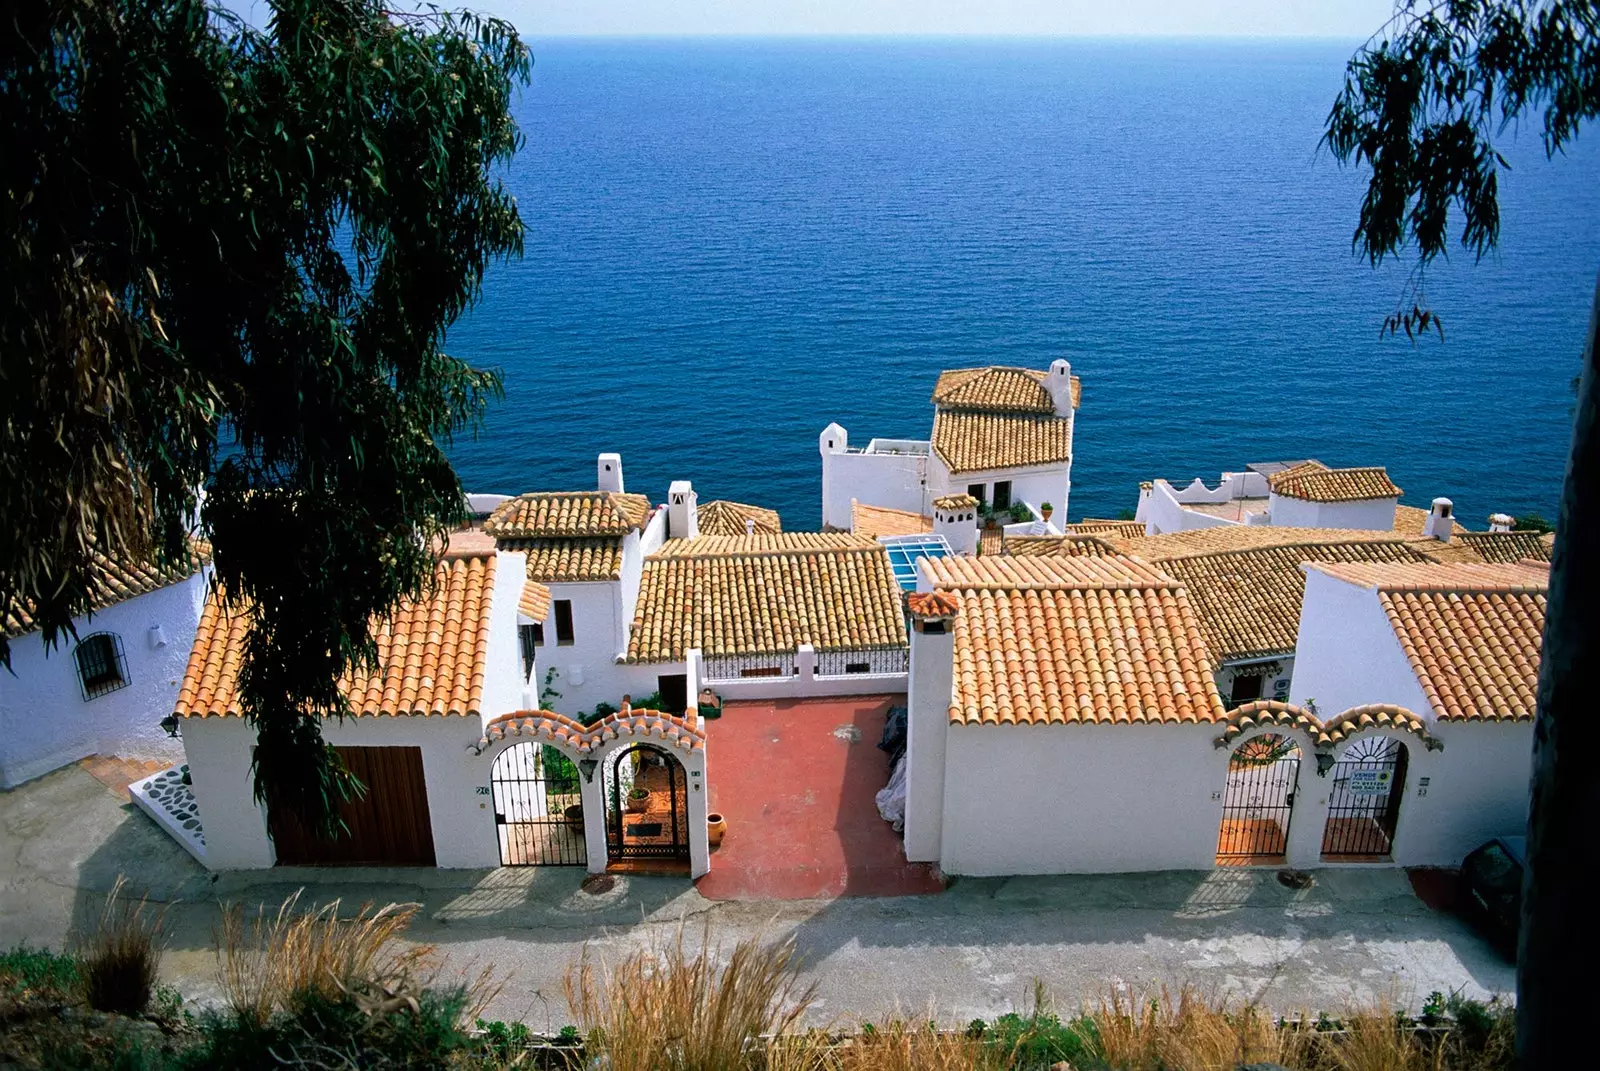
{"x":38,"y":973}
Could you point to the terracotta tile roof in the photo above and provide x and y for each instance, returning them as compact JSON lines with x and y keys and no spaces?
{"x":112,"y":582}
{"x":730,"y":595}
{"x":932,"y":604}
{"x":728,"y":518}
{"x":1471,"y":632}
{"x":1507,"y":547}
{"x":430,"y":654}
{"x":991,"y":541}
{"x":955,"y":503}
{"x":1315,"y":482}
{"x":1324,"y":734}
{"x":875,"y":521}
{"x":535,"y":601}
{"x":682,"y":731}
{"x":1240,"y":537}
{"x":569,"y":560}
{"x":1060,"y":640}
{"x":971,"y":441}
{"x":568,"y":513}
{"x":1249,"y":600}
{"x":1067,"y":546}
{"x":1409,"y":520}
{"x":998,"y":389}
{"x":1100,"y":526}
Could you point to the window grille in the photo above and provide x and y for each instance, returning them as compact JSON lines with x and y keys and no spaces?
{"x":102,"y":667}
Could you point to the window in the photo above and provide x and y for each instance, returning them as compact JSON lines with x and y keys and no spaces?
{"x":564,"y":622}
{"x":1245,"y":689}
{"x":1002,"y":494}
{"x":978,"y":491}
{"x":858,"y":667}
{"x":532,"y":637}
{"x":101,"y":666}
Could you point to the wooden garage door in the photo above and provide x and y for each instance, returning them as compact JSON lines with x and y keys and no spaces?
{"x":389,"y":826}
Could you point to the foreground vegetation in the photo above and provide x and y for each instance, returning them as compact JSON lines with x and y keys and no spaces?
{"x":313,"y":987}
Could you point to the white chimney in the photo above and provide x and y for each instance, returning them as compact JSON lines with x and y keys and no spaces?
{"x":833,"y":440}
{"x":956,"y":518}
{"x":933,"y":617}
{"x":1501,"y":522}
{"x":749,"y":526}
{"x":1059,"y":383}
{"x":683,"y":511}
{"x":1439,"y":524}
{"x":609,"y":469}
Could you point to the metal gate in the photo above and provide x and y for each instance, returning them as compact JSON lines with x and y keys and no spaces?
{"x":648,"y":792}
{"x":1364,"y":802}
{"x":538,"y":807}
{"x":1258,"y":800}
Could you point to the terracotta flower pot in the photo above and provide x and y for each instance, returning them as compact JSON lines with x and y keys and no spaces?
{"x":638,"y":804}
{"x":574,"y":815}
{"x":716,"y":826}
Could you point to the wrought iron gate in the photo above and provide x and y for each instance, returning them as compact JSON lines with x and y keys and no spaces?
{"x":538,"y":807}
{"x":1259,"y":799}
{"x":648,"y":792}
{"x":1364,"y":802}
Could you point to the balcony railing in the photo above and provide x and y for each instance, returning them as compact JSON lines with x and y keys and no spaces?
{"x":874,"y":662}
{"x":722,"y":668}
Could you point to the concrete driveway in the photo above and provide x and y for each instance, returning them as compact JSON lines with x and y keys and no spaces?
{"x":974,"y":950}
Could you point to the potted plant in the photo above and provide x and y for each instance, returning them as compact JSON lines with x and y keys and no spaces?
{"x":638,"y":800}
{"x":1045,"y":509}
{"x":574,"y":816}
{"x":1020,"y":513}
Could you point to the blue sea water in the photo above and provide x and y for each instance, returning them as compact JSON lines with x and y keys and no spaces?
{"x":733,"y":242}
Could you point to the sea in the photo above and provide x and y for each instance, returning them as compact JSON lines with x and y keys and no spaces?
{"x":732,"y":242}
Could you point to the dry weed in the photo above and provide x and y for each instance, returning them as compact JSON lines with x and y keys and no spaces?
{"x":119,"y":961}
{"x":663,"y":1009}
{"x":1159,"y":1030}
{"x":1378,"y":1038}
{"x":263,"y":964}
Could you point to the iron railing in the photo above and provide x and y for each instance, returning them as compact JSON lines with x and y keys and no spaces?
{"x":723,"y":668}
{"x":880,"y":662}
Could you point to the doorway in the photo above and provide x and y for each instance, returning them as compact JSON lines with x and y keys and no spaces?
{"x":1258,"y":801}
{"x":674,"y":691}
{"x":538,"y":807}
{"x":647,"y":812}
{"x":1364,"y":802}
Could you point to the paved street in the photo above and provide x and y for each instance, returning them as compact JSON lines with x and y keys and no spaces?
{"x":973,"y":950}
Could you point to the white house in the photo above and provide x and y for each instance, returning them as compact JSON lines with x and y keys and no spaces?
{"x":1292,"y":494}
{"x":106,"y":690}
{"x":1002,"y":435}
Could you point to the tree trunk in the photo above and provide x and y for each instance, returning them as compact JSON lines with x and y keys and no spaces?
{"x":1557,"y":960}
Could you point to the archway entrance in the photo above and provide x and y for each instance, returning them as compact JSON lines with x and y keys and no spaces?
{"x":1258,"y":801}
{"x":538,"y":807}
{"x":1364,"y":801}
{"x":647,"y":800}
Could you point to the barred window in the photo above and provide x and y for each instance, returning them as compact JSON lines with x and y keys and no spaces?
{"x":101,"y":665}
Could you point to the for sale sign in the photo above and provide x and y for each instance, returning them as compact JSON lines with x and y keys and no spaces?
{"x":1369,"y":782}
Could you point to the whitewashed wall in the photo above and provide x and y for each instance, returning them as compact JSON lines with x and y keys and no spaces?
{"x":1478,"y":788}
{"x":46,"y":723}
{"x":1346,"y":653}
{"x":1372,"y":514}
{"x":1161,"y":512}
{"x":1080,"y":799}
{"x":503,"y":683}
{"x":1035,"y":485}
{"x":893,"y":481}
{"x":219,"y":751}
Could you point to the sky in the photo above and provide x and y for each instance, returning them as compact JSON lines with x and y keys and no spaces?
{"x":1355,"y":19}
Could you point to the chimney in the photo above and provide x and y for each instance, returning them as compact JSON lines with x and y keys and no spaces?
{"x":683,"y":511}
{"x":933,"y":617}
{"x":1439,"y":524}
{"x":1059,"y":384}
{"x":749,"y":526}
{"x":610,"y":472}
{"x":956,"y":518}
{"x":1501,"y":522}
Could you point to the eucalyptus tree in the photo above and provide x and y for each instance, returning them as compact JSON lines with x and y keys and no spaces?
{"x":229,"y":259}
{"x":1423,"y":104}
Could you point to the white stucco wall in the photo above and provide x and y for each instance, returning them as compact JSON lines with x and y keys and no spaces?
{"x":219,"y":752}
{"x":587,"y":671}
{"x":503,"y":684}
{"x":1376,"y":514}
{"x":1162,"y":512}
{"x":928,"y":728}
{"x":1052,"y":484}
{"x":1080,"y":799}
{"x":1346,"y":653}
{"x":1478,"y":788}
{"x":893,"y":481}
{"x":45,"y":722}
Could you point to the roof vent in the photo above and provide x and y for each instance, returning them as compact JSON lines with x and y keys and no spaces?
{"x":1439,"y":525}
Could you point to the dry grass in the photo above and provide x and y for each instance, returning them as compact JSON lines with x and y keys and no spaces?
{"x":1377,"y":1038}
{"x":1159,"y":1030}
{"x":665,"y":1009}
{"x":119,"y":961}
{"x":263,"y":963}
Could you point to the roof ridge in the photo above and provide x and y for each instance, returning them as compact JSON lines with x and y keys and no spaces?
{"x":1397,"y":541}
{"x":764,"y":552}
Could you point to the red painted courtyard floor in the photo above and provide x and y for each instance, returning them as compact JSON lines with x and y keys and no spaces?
{"x":795,"y":779}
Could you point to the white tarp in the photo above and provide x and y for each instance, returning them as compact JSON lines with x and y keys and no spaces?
{"x":892,"y":797}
